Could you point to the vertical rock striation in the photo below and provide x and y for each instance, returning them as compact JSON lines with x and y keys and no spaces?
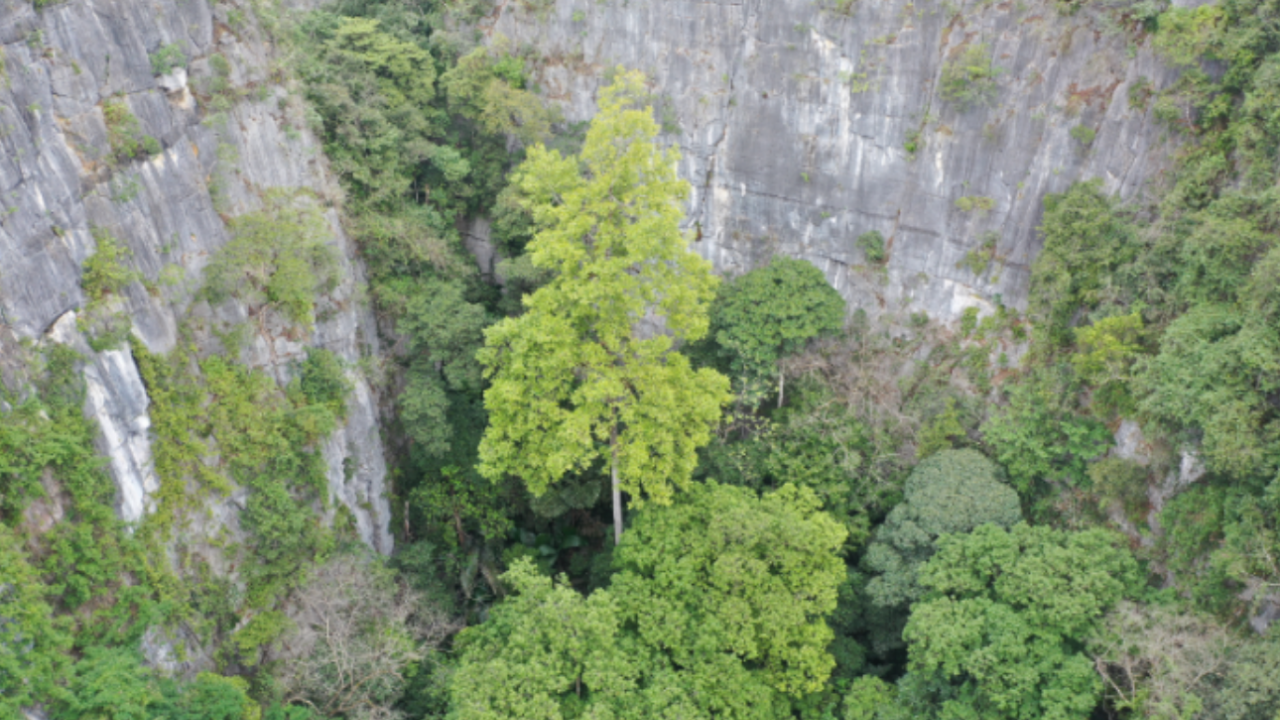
{"x":62,"y":181}
{"x":797,"y":122}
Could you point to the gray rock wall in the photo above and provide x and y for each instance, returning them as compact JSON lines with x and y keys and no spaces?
{"x":58,"y":184}
{"x":793,"y":120}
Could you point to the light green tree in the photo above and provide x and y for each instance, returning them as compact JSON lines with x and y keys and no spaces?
{"x":1006,"y":617}
{"x":717,"y":611}
{"x":725,"y":575}
{"x":544,"y":650}
{"x":574,"y":380}
{"x":768,"y":313}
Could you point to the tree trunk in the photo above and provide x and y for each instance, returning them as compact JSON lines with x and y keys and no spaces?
{"x":782,"y":380}
{"x":617,"y":491}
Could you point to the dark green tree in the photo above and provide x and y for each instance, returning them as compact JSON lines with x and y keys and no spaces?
{"x":1003,"y":624}
{"x":767,"y":314}
{"x":953,"y":491}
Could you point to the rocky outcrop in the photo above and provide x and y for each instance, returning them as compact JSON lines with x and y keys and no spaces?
{"x":218,"y":146}
{"x":796,"y":119}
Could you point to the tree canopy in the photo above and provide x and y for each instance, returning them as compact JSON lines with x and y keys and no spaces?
{"x":1004,"y":617}
{"x":768,"y":313}
{"x":727,"y":574}
{"x":953,"y":491}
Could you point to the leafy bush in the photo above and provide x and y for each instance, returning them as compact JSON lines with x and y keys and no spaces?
{"x":323,"y":380}
{"x":1083,"y":134}
{"x":1039,"y":440}
{"x":124,"y":133}
{"x":871,"y":243}
{"x":32,"y":643}
{"x":279,"y":259}
{"x":104,"y":273}
{"x":969,"y":80}
{"x":168,"y":57}
{"x":975,"y":203}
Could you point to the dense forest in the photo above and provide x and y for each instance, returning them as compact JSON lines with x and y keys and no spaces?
{"x":625,"y":487}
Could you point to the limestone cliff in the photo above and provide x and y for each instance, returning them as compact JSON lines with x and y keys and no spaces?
{"x":804,"y":125}
{"x":62,"y":185}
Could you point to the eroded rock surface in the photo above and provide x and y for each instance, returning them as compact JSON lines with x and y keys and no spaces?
{"x":794,"y":120}
{"x":61,"y":182}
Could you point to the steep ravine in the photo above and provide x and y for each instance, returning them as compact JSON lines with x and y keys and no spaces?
{"x":794,"y":121}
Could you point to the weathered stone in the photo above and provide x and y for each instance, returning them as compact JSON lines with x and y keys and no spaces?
{"x":793,"y":120}
{"x":60,"y":183}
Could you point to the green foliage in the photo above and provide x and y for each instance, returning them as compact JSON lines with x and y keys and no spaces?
{"x":769,"y":313}
{"x":1188,"y":34}
{"x":969,"y":79}
{"x":953,"y":491}
{"x":322,"y":379}
{"x":546,"y":652}
{"x":1038,"y":439}
{"x":1104,"y":358}
{"x":32,"y":643}
{"x":871,"y":243}
{"x":1086,"y":238}
{"x":975,"y":203}
{"x":980,"y":259}
{"x":104,"y":272}
{"x":457,"y":498}
{"x":1213,"y":372}
{"x":168,"y":57}
{"x":813,"y":442}
{"x":208,"y":697}
{"x":1083,"y":134}
{"x":940,"y":433}
{"x":724,"y":577}
{"x":572,"y":383}
{"x":487,"y":87}
{"x":716,"y":610}
{"x":109,"y":684}
{"x":376,"y":94}
{"x":1120,"y":481}
{"x":1004,"y":615}
{"x":279,"y":260}
{"x":269,"y":445}
{"x":870,"y":698}
{"x":261,"y":630}
{"x":124,"y":133}
{"x":91,"y":555}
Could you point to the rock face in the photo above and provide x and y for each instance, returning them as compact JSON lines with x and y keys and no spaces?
{"x":62,"y":185}
{"x":794,"y":119}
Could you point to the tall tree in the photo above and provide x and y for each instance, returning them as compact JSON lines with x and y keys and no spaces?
{"x":576,"y":379}
{"x":717,"y":611}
